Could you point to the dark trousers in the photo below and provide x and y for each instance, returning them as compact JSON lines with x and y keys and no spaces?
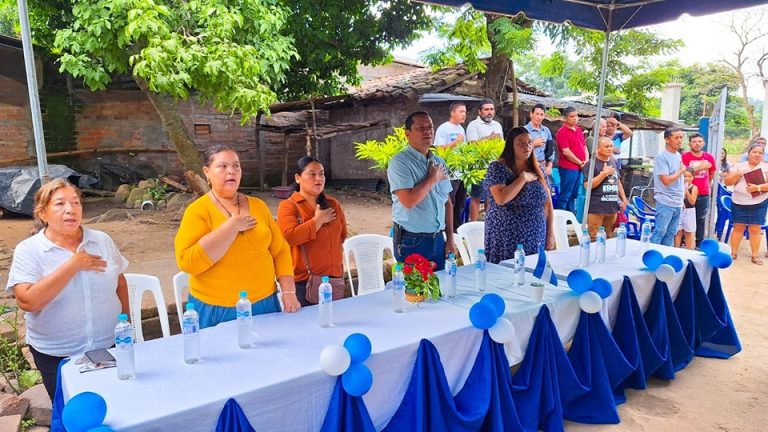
{"x":458,"y":197}
{"x":702,"y":209}
{"x":430,"y":246}
{"x":49,"y":367}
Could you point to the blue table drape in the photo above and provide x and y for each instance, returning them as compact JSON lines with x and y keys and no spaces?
{"x":666,"y":332}
{"x":57,"y":405}
{"x":545,"y":381}
{"x":346,"y":412}
{"x":600,"y":366}
{"x":725,"y":342}
{"x":635,"y":341}
{"x":233,"y":419}
{"x":484,"y":403}
{"x":697,"y":318}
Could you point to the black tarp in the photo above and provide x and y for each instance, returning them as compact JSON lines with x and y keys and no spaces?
{"x":18,"y":185}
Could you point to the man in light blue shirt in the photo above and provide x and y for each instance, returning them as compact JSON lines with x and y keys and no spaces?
{"x":543,"y":143}
{"x":668,"y":188}
{"x":449,"y":135}
{"x":421,"y":208}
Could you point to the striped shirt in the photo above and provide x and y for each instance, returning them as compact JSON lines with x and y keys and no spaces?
{"x":407,"y":169}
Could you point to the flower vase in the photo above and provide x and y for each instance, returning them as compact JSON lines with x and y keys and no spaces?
{"x":412,"y":296}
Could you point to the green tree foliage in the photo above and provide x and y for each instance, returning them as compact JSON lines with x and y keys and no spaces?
{"x":333,"y":37}
{"x":702,"y":85}
{"x":9,"y":19}
{"x":467,"y":38}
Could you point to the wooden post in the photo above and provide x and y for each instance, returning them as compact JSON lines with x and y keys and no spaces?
{"x":259,"y":151}
{"x":285,"y":159}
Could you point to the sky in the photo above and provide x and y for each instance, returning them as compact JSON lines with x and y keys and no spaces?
{"x":706,"y":39}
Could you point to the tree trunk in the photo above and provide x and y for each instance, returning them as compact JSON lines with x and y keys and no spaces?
{"x":515,"y":100}
{"x":168,"y":110}
{"x":494,"y":86}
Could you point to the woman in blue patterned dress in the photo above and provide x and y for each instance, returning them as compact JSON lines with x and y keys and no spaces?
{"x":521,"y":209}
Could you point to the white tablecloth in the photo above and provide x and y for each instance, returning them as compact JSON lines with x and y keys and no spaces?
{"x":279,"y":383}
{"x":614,"y":269}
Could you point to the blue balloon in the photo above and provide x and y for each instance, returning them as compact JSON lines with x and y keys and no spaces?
{"x":482,"y":315}
{"x":102,"y":428}
{"x":84,"y":411}
{"x":359,"y":347}
{"x":496,"y":301}
{"x":357,"y":380}
{"x":710,"y":247}
{"x":720,"y":260}
{"x":602,"y":287}
{"x":653,"y":259}
{"x":580,"y":280}
{"x":675,"y":261}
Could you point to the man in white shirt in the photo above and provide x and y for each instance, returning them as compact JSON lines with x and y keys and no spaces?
{"x":450,"y":134}
{"x":484,"y":126}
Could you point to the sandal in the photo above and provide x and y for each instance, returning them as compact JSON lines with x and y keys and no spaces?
{"x":756,"y":260}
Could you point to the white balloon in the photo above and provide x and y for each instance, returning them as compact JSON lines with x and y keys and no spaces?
{"x":334,"y":360}
{"x":590,"y":302}
{"x":665,"y":273}
{"x":502,"y":331}
{"x":725,"y":248}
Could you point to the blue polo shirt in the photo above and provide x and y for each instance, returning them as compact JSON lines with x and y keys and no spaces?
{"x":544,"y":133}
{"x":407,"y":169}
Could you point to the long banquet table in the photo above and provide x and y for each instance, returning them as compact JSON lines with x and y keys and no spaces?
{"x":279,"y":383}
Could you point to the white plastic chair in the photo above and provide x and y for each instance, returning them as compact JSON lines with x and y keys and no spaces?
{"x":137,"y":285}
{"x":368,"y":251}
{"x":180,"y":283}
{"x":472,"y":235}
{"x":562,"y":219}
{"x":461,"y":247}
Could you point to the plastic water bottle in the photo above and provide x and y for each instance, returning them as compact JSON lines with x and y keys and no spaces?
{"x":584,"y":249}
{"x":645,"y":236}
{"x":191,"y":329}
{"x":481,"y":274}
{"x":601,"y":237}
{"x":451,"y":268}
{"x":244,"y":323}
{"x":621,"y":240}
{"x":398,"y":289}
{"x":325,"y":295}
{"x":126,"y":362}
{"x":519,"y":265}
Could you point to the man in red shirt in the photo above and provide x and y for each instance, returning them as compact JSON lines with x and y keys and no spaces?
{"x":573,"y":156}
{"x":702,"y":165}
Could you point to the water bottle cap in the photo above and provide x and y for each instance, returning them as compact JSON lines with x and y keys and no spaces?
{"x":622,"y":224}
{"x":243,"y":294}
{"x":122,"y":317}
{"x":451,"y":256}
{"x":398,"y":267}
{"x":325,"y":279}
{"x":190,"y":306}
{"x":519,"y":246}
{"x":481,"y":251}
{"x":602,"y":228}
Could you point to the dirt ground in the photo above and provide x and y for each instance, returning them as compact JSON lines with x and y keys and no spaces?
{"x":709,"y":395}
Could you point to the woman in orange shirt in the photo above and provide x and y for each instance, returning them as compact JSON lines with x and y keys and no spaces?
{"x":311,"y":220}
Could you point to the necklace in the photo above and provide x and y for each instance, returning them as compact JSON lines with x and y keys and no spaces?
{"x":237,"y":204}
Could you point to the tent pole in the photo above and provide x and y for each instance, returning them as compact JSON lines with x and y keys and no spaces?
{"x":596,"y":128}
{"x":34,"y":98}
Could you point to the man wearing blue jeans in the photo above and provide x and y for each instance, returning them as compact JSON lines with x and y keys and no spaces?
{"x":573,"y":156}
{"x":668,"y":187}
{"x":421,"y":208}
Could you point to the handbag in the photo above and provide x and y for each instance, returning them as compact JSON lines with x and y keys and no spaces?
{"x":314,"y":281}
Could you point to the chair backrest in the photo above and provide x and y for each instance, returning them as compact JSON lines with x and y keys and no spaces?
{"x":461,"y":248}
{"x":180,"y":283}
{"x":137,"y":285}
{"x":368,"y":251}
{"x":472,"y":236}
{"x":725,"y":202}
{"x":642,"y":206}
{"x":562,"y":219}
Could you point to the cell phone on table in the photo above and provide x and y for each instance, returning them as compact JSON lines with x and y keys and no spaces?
{"x":100,"y":355}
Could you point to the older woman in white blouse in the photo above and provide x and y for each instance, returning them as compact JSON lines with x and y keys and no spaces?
{"x":69,"y":281}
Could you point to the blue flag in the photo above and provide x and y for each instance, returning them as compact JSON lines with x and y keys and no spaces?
{"x":544,"y":269}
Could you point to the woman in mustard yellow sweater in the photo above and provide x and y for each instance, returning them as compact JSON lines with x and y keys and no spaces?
{"x":228,"y":242}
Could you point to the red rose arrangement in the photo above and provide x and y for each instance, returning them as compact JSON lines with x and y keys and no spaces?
{"x":420,"y":279}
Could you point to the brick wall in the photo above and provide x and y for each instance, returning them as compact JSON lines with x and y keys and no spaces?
{"x":16,"y":136}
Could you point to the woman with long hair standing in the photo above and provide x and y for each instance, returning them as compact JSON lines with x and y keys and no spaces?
{"x":521,"y":209}
{"x":228,"y":242}
{"x":750,"y":200}
{"x":314,"y":225}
